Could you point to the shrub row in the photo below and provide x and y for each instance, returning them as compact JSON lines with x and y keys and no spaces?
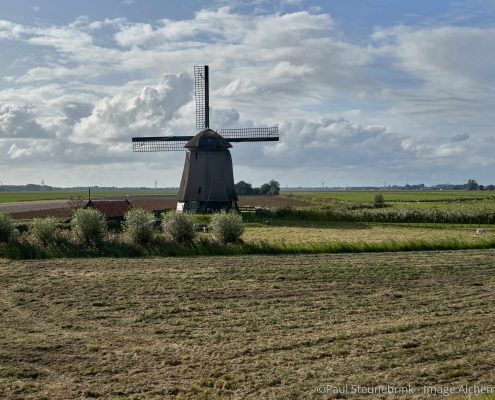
{"x":88,"y":235}
{"x":385,"y":215}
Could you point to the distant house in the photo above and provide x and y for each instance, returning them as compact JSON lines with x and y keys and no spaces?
{"x":113,"y":210}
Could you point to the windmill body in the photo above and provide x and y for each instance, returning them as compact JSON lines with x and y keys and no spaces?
{"x":207,"y":182}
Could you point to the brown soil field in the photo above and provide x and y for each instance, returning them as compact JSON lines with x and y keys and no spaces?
{"x":58,"y":208}
{"x":254,"y":327}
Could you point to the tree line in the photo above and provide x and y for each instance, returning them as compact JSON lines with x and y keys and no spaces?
{"x":271,"y":188}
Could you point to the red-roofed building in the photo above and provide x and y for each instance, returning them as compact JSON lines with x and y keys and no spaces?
{"x":113,"y":210}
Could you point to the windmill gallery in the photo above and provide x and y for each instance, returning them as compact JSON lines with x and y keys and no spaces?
{"x":207,"y":182}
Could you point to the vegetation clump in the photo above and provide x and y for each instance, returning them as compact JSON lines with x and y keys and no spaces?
{"x":227,"y":227}
{"x":137,"y":227}
{"x":180,"y":226}
{"x":378,"y":200}
{"x":271,"y":188}
{"x":89,"y":226}
{"x":44,"y":230}
{"x":6,"y":227}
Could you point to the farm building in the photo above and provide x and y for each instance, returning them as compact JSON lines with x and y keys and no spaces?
{"x":113,"y":210}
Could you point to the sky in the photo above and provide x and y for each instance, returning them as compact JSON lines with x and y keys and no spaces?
{"x":364,"y":92}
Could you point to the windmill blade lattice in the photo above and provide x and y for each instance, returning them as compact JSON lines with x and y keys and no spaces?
{"x":250,"y":134}
{"x":201,"y":94}
{"x":159,"y":143}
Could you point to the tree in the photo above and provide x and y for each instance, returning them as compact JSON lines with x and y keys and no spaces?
{"x":243,"y":188}
{"x":265,"y":189}
{"x":472,"y":185}
{"x":274,"y":188}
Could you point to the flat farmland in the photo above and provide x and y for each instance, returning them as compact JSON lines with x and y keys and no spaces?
{"x":367,"y":196}
{"x":256,"y":327}
{"x":311,"y":232}
{"x":15,"y":197}
{"x":30,"y":207}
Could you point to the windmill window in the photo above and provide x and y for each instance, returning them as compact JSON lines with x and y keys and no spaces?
{"x":199,"y":190}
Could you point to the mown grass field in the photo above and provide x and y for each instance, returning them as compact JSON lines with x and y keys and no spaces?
{"x":257,"y":327}
{"x":308,"y":232}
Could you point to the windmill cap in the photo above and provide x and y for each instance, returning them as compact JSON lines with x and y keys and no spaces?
{"x":208,"y":139}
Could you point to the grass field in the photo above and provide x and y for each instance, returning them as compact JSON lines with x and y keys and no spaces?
{"x":328,"y":231}
{"x":8,"y":197}
{"x":453,"y":206}
{"x":454,"y":202}
{"x":359,"y":196}
{"x":266,"y":327}
{"x":367,"y":196}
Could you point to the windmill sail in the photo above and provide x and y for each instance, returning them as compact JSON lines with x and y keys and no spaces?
{"x":201,"y":94}
{"x":250,"y":134}
{"x":159,"y":143}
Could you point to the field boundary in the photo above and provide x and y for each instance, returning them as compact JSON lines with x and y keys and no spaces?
{"x":23,"y":249}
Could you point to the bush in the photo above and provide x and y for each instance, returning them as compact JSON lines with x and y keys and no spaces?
{"x":89,"y":225}
{"x":137,"y":227}
{"x":378,"y":200}
{"x":43,"y":230}
{"x":180,"y":226}
{"x":227,"y":227}
{"x":6,"y":227}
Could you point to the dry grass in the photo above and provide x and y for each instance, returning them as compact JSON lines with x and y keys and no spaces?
{"x":266,"y":327}
{"x":315,"y":232}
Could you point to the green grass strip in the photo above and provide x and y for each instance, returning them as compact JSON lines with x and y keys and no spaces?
{"x":23,"y":250}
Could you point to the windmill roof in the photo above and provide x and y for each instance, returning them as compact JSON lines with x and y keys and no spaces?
{"x":111,"y":208}
{"x":208,"y":139}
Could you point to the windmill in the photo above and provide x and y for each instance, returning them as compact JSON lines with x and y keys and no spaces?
{"x":207,"y":182}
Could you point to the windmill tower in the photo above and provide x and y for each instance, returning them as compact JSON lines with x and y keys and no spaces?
{"x":207,"y":182}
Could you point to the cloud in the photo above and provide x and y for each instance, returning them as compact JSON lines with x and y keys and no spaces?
{"x":75,"y":111}
{"x":461,"y":137}
{"x":119,"y":117}
{"x":19,"y":122}
{"x":446,"y":76}
{"x":336,"y":142}
{"x":443,"y":54}
{"x":408,"y":94}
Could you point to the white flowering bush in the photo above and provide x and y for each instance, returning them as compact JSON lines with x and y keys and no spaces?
{"x":138,"y":226}
{"x":6,"y":227}
{"x":180,"y":226}
{"x":89,"y":225}
{"x":44,"y":230}
{"x":227,"y":227}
